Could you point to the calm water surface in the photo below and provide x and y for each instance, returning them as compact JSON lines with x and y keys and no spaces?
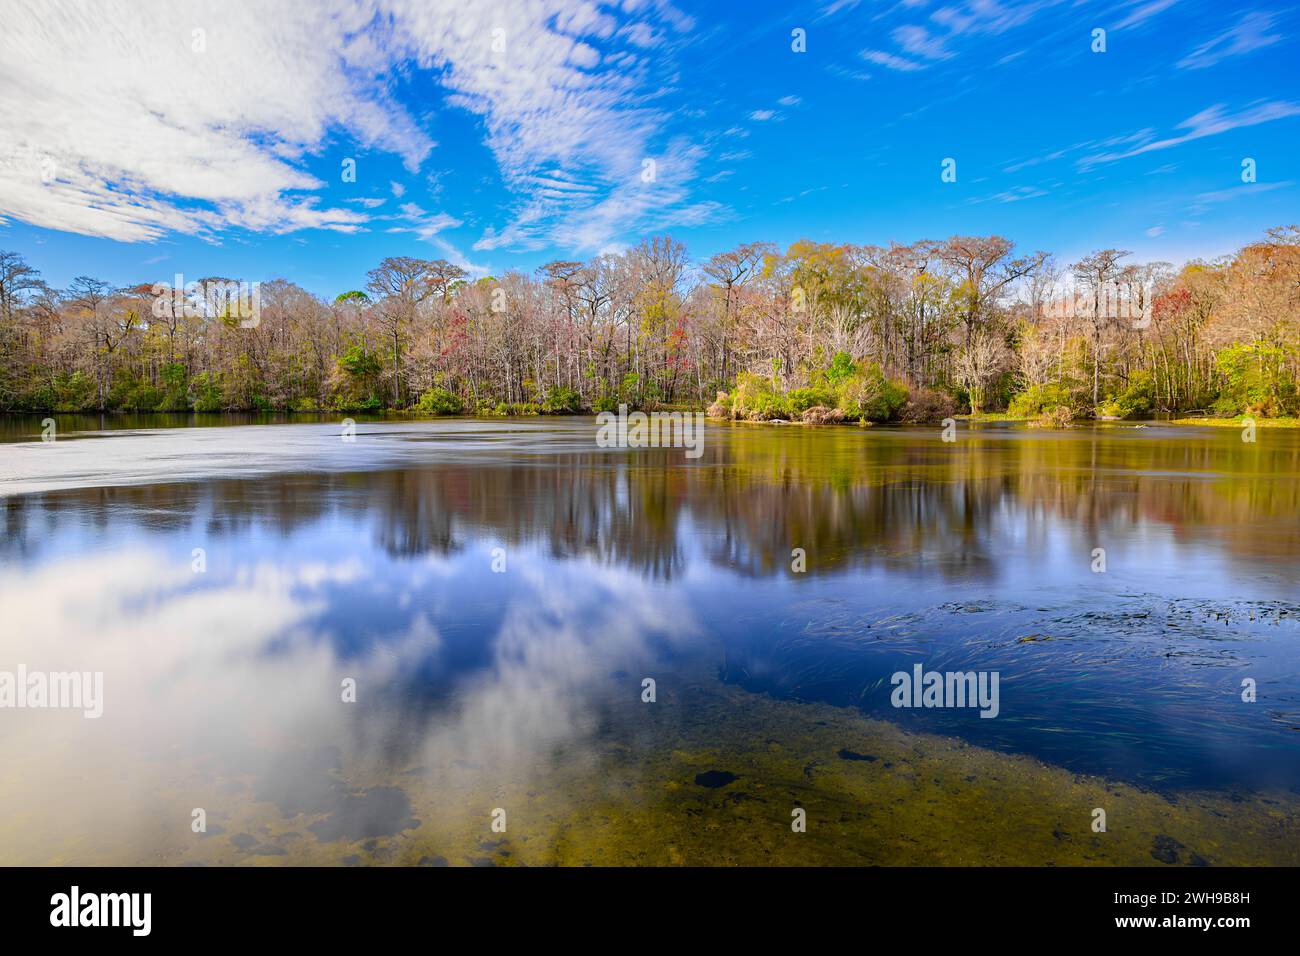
{"x":521,"y":689}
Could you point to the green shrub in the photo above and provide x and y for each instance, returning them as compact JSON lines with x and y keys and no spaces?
{"x":1039,"y":398}
{"x":205,"y":393}
{"x":1135,"y":401}
{"x":370,"y":403}
{"x":768,"y":406}
{"x":802,"y":399}
{"x":1257,"y":380}
{"x":841,"y":370}
{"x":561,"y":401}
{"x":1225,"y":406}
{"x":869,"y":395}
{"x":175,"y":391}
{"x":439,"y":401}
{"x":134,"y":396}
{"x":72,"y":393}
{"x":756,"y":399}
{"x":356,"y":380}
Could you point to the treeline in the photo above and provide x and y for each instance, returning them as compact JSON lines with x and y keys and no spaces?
{"x":822,"y":332}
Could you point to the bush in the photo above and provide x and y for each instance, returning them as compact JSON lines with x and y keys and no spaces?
{"x":1038,"y":399}
{"x":67,"y":393}
{"x":1225,"y":406}
{"x":768,"y":407}
{"x":756,"y":400}
{"x":868,"y":395}
{"x":371,"y":403}
{"x":136,"y":396}
{"x":205,"y":393}
{"x":606,"y":403}
{"x":1135,"y":401}
{"x":802,"y":399}
{"x":927,"y":405}
{"x":1257,"y":380}
{"x":355,"y":380}
{"x":842,"y":368}
{"x":562,"y":401}
{"x":439,"y":401}
{"x":175,"y":394}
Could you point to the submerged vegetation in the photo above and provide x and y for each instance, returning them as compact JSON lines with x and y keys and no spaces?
{"x":819,"y":333}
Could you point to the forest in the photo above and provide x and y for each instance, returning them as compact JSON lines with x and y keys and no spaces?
{"x":817,"y":333}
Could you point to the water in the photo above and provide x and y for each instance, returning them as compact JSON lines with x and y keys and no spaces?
{"x":499,"y":590}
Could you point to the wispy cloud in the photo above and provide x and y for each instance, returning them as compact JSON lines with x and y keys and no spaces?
{"x":1143,"y":12}
{"x":921,"y":45}
{"x":1208,"y":122}
{"x":919,"y":41}
{"x":1252,"y":33}
{"x":891,"y":61}
{"x":1205,"y":200}
{"x":425,"y":225}
{"x":130,"y":120}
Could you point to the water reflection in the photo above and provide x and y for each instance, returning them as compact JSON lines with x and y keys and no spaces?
{"x":223,"y":687}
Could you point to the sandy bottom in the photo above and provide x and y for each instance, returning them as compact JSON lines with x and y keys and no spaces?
{"x":720,"y":788}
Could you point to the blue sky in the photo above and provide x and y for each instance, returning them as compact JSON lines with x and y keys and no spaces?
{"x":138,"y":140}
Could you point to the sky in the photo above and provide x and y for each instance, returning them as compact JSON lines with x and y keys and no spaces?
{"x":308,"y":141}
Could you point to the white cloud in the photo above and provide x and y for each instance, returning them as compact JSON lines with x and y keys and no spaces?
{"x":921,"y":46}
{"x":146,"y":133}
{"x":1208,"y":122}
{"x":762,"y":115}
{"x":1144,"y":12}
{"x":919,"y":41}
{"x":1233,"y":193}
{"x":424,"y":225}
{"x":149,"y":135}
{"x":546,"y":117}
{"x":1251,"y":34}
{"x":881,"y":58}
{"x":658,"y":204}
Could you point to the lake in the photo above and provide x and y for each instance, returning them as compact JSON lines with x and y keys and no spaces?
{"x":431,"y":644}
